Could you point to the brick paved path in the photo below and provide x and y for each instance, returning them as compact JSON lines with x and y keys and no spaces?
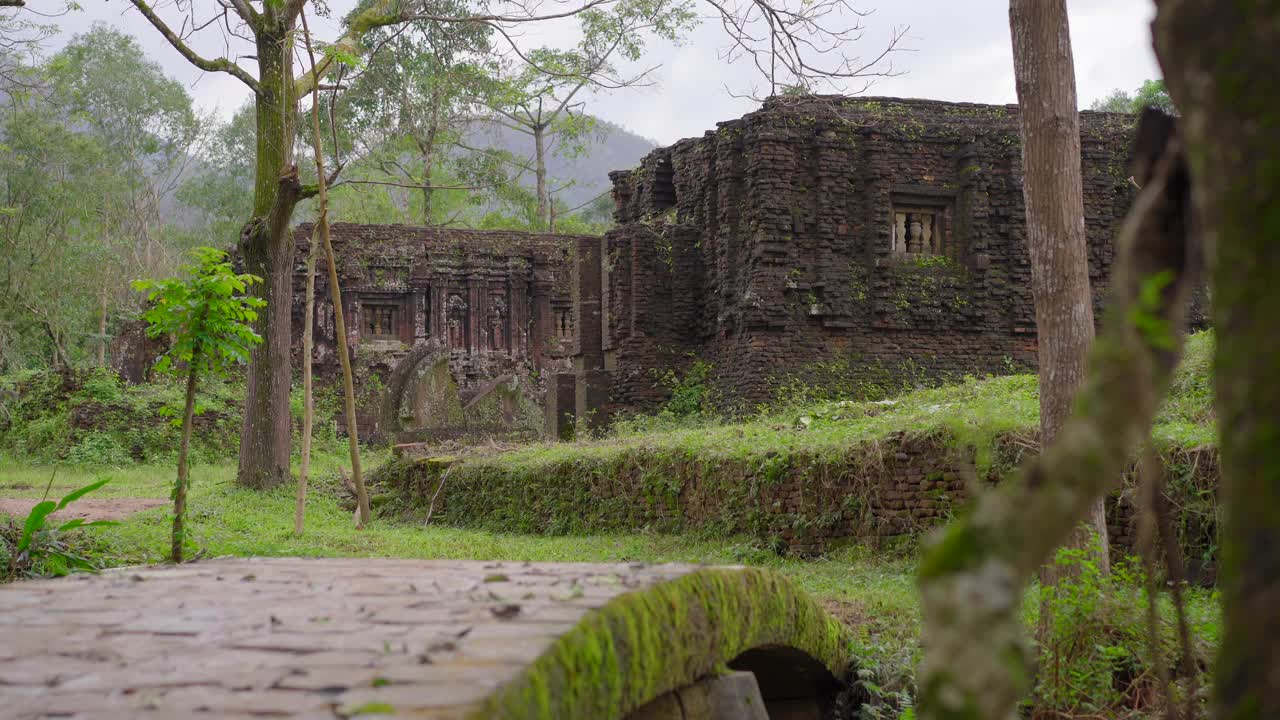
{"x":294,"y":637}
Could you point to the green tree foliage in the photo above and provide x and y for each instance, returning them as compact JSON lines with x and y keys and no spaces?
{"x":47,"y":232}
{"x":539,"y":94}
{"x":96,"y":139}
{"x":406,"y":119}
{"x":221,"y":188}
{"x":1151,"y":94}
{"x":210,"y":320}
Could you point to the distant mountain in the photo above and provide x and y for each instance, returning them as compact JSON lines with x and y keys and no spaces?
{"x":613,"y":148}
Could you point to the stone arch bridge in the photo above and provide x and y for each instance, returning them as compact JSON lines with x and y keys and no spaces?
{"x":343,"y":638}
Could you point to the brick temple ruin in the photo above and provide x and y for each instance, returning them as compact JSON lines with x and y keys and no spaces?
{"x":864,"y":243}
{"x":861,"y":239}
{"x":450,"y":330}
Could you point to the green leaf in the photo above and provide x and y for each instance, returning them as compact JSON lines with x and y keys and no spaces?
{"x":77,"y":494}
{"x":80,"y":523}
{"x":35,"y":523}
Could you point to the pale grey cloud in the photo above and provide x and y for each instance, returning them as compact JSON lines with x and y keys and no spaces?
{"x":960,"y":51}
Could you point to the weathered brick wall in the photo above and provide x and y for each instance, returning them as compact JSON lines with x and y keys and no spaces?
{"x":493,"y":305}
{"x":804,"y":501}
{"x":765,"y":247}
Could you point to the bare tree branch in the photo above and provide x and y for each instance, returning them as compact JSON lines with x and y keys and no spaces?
{"x":218,"y":65}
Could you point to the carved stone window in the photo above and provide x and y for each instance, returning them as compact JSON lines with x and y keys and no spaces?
{"x":918,"y":230}
{"x":921,"y":221}
{"x":564,"y":323}
{"x":381,"y":322}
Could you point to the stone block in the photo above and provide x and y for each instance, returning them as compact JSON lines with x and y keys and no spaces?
{"x":561,"y":406}
{"x":592,"y":396}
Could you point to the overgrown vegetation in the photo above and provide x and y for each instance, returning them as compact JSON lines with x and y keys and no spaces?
{"x":1098,"y":658}
{"x":90,"y":417}
{"x":1105,"y":668}
{"x":32,"y":547}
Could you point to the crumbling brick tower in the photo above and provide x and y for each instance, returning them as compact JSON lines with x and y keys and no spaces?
{"x":862,"y":242}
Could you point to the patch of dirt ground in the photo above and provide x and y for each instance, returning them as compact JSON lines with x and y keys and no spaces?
{"x":89,"y":509}
{"x":851,"y":614}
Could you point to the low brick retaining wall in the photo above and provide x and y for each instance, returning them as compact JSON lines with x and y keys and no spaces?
{"x":804,"y":502}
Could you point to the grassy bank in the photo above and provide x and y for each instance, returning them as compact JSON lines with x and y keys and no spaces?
{"x":875,"y":590}
{"x":801,"y":476}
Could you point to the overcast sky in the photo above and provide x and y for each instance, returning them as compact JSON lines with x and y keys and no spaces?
{"x":959,"y":50}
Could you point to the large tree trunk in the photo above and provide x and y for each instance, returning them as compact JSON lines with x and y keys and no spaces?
{"x":1053,"y":191}
{"x":1219,"y":62}
{"x":540,"y":172}
{"x":267,"y":248}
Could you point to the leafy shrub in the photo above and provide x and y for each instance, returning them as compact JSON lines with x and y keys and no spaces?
{"x":1096,"y":660}
{"x":102,"y":385}
{"x":690,"y":393}
{"x":98,"y":448}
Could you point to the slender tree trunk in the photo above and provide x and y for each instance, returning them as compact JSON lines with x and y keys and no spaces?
{"x":340,"y":326}
{"x":308,"y":399}
{"x":1053,"y":192}
{"x":267,"y":247}
{"x":180,"y":489}
{"x":1219,"y":62}
{"x":102,"y":327}
{"x":540,"y":171}
{"x":147,"y":253}
{"x":428,"y":149}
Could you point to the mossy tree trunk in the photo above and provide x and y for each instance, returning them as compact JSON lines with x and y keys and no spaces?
{"x":267,"y":248}
{"x":1220,"y":65}
{"x":1053,"y":191}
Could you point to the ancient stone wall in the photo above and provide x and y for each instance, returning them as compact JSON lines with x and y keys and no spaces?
{"x":451,"y":331}
{"x":877,"y":239}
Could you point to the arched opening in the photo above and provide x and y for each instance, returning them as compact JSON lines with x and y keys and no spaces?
{"x":793,"y":684}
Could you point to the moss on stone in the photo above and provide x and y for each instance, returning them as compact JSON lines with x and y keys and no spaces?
{"x":646,"y":643}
